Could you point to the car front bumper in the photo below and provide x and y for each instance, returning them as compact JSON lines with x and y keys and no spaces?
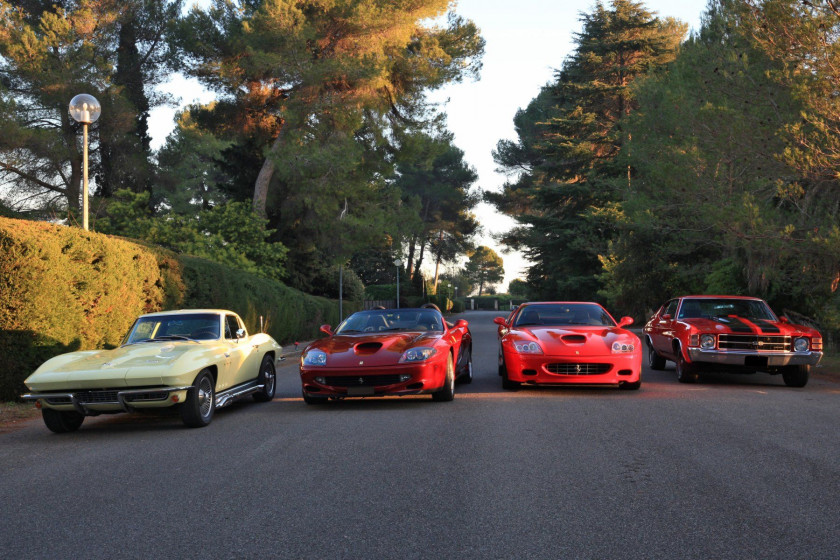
{"x":755,"y":360}
{"x":379,"y":381}
{"x":92,"y":402}
{"x":536,"y":369}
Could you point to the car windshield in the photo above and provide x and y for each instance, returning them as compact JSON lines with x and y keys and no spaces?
{"x":188,"y":326}
{"x":563,"y":314}
{"x":707,"y":308}
{"x":385,"y":320}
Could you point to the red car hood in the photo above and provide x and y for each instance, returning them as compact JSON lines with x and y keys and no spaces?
{"x":740,"y":325}
{"x":372,"y":349}
{"x":585,"y":340}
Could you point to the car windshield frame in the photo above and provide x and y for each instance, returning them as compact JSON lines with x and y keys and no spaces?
{"x":563,"y":315}
{"x":711,"y":308}
{"x":375,"y":321}
{"x":173,"y":327}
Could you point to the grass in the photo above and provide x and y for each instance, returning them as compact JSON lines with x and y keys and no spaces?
{"x":13,"y":414}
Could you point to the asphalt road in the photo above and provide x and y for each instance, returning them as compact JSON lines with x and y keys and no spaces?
{"x":738,"y":467}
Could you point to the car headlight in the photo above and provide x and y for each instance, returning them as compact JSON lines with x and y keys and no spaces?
{"x":315,"y":358}
{"x":417,"y":354}
{"x":622,"y":347}
{"x":801,"y":344}
{"x":707,"y":341}
{"x":527,"y":347}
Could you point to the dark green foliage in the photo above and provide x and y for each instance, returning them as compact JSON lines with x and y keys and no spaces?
{"x":66,"y":289}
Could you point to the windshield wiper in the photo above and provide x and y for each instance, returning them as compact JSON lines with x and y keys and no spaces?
{"x":173,"y":336}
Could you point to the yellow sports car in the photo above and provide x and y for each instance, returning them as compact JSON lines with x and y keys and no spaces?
{"x":198,"y":360}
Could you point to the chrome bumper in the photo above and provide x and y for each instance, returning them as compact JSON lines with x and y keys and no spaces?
{"x":738,"y":357}
{"x":123,"y":398}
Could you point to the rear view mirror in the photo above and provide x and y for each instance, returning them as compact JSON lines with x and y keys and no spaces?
{"x":461,"y":323}
{"x":625,"y":321}
{"x":500,"y":321}
{"x":327,"y":330}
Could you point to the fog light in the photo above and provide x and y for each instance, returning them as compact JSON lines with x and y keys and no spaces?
{"x":175,"y":398}
{"x":404,"y":378}
{"x":321,"y":380}
{"x":37,"y":404}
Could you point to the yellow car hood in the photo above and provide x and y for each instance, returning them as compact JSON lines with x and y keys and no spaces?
{"x":131,"y":365}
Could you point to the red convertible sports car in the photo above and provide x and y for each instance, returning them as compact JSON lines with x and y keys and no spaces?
{"x":562,"y":343}
{"x":733,"y":334}
{"x":388,"y":352}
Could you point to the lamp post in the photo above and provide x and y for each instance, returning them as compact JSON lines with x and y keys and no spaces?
{"x":398,"y":263}
{"x":85,"y":109}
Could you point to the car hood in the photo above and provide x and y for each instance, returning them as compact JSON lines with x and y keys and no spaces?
{"x":741,"y":325}
{"x":108,"y":368}
{"x":564,"y":340}
{"x":372,"y":349}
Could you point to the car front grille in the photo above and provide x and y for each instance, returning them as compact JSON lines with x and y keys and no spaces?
{"x":754,"y":342}
{"x":95,"y":397}
{"x":578,"y":369}
{"x":362,"y":380}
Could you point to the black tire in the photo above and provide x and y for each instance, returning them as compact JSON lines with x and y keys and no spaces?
{"x":467,"y":378}
{"x":447,"y":392}
{"x":310,"y":399}
{"x":197,"y":411}
{"x":628,"y":386}
{"x":655,"y":361}
{"x":507,"y":384}
{"x":686,"y":373}
{"x":796,"y":376}
{"x":268,"y":379}
{"x":62,"y":421}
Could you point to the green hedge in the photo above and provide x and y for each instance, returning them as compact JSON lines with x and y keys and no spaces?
{"x":64,"y":289}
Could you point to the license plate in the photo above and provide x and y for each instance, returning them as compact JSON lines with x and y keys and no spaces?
{"x":359,"y":391}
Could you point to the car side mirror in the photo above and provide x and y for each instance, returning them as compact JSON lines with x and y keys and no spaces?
{"x":665,"y":317}
{"x":625,"y":321}
{"x":327,"y":330}
{"x":461,"y":323}
{"x":240,"y":333}
{"x":784,"y":319}
{"x":500,"y":321}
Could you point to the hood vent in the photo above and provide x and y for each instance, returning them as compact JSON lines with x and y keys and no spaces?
{"x":367,"y":348}
{"x":573,"y":339}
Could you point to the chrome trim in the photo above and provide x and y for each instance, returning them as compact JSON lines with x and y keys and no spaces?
{"x":226,"y":397}
{"x":121,"y":397}
{"x":737,"y":357}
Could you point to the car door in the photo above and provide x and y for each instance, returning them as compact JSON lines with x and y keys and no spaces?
{"x":243,"y":355}
{"x":662,"y":329}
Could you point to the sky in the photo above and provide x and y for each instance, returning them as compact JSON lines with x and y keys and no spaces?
{"x":527,"y":40}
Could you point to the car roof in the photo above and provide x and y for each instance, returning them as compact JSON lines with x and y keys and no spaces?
{"x":187,"y":311}
{"x":561,"y":303}
{"x":720,"y":297}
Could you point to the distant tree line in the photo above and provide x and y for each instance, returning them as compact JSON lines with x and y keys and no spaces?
{"x":319,"y":151}
{"x":656,"y":164}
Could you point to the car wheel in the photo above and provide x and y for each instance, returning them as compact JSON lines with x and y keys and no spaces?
{"x":62,"y":421}
{"x":310,"y":399}
{"x":686,"y":373}
{"x":655,"y":361}
{"x":447,"y":392}
{"x":197,"y":411}
{"x":467,"y":378}
{"x":507,"y":384}
{"x":796,"y":376}
{"x":268,"y":379}
{"x":630,"y":386}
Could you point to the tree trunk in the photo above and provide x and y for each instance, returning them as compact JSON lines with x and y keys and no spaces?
{"x":410,"y":264}
{"x":266,"y":172}
{"x":437,"y":260}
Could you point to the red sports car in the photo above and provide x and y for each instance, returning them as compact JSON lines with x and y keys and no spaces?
{"x":559,"y":343}
{"x":733,"y":334}
{"x":388,"y":352}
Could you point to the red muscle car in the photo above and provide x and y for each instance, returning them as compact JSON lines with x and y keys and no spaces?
{"x":388,"y":352}
{"x":733,"y":334}
{"x":559,"y":343}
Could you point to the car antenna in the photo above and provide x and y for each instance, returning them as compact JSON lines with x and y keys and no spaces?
{"x":261,"y":324}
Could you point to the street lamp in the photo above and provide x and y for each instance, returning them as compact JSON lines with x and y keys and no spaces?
{"x":398,"y":263}
{"x":85,"y":109}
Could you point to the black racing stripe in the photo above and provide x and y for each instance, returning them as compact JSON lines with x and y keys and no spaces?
{"x":766,"y":326}
{"x":735,"y":324}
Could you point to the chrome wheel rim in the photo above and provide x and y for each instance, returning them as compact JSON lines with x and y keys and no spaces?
{"x":268,"y":379}
{"x":205,"y":397}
